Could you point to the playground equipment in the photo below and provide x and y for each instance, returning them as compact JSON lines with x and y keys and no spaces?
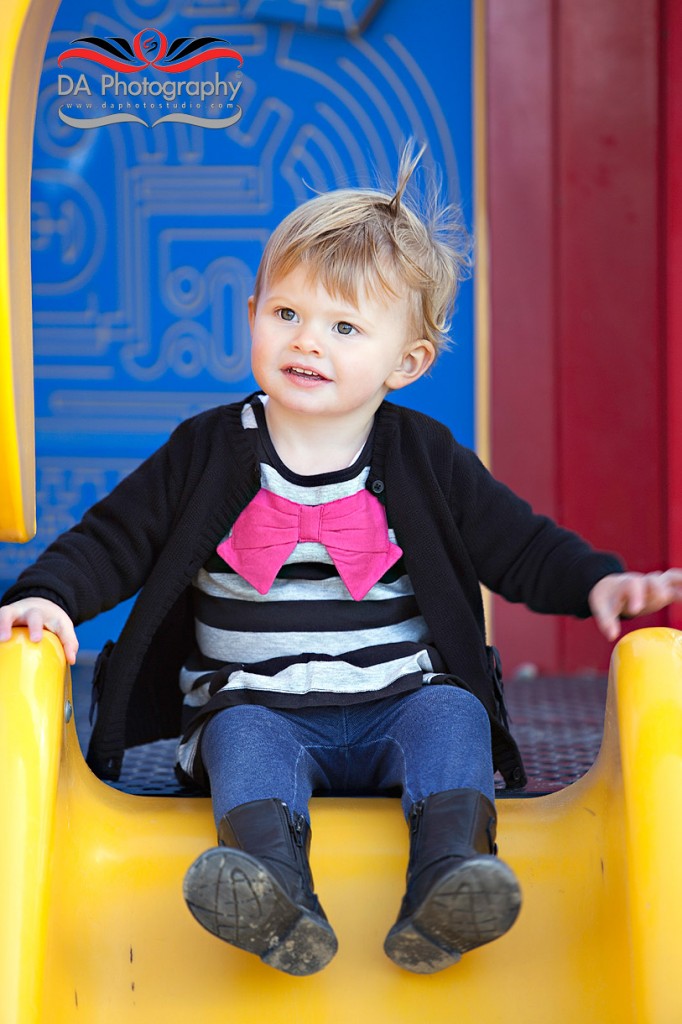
{"x":25,"y":26}
{"x":93,"y":926}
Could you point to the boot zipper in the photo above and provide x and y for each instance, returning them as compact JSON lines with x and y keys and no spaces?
{"x":297,"y":829}
{"x":416,"y":812}
{"x":295,"y":824}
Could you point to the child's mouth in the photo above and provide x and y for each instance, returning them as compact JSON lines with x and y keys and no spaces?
{"x":304,"y":374}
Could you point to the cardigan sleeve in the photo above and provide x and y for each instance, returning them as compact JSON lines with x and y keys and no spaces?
{"x":107,"y":557}
{"x":519,"y":554}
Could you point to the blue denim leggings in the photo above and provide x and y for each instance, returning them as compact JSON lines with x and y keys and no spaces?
{"x":426,"y":741}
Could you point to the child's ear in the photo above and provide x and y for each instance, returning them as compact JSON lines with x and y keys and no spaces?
{"x":416,"y":359}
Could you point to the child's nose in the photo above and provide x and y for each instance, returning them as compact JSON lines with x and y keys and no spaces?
{"x":308,"y":340}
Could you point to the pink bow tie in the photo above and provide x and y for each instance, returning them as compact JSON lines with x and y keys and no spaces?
{"x":354,"y":531}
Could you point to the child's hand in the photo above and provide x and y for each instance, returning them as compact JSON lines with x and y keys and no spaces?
{"x":630,"y":594}
{"x":37,"y":613}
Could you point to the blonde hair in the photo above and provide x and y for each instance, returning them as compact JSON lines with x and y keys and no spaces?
{"x":372,"y":240}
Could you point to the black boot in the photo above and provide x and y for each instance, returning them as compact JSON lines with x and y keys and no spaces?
{"x":255,"y":890}
{"x":459,"y":895}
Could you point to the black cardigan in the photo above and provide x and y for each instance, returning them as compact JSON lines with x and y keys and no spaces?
{"x":456,"y":524}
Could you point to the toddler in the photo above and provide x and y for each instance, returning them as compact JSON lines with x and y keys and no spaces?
{"x":308,"y":564}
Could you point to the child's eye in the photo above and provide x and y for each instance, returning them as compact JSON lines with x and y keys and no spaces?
{"x":285,"y":313}
{"x":343,"y":327}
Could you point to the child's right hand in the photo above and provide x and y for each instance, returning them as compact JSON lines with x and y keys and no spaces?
{"x":37,"y":614}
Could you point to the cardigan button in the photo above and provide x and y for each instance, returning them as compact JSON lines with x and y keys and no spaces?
{"x":378,"y":487}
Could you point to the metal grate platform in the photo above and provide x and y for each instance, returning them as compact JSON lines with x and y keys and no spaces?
{"x":557,"y":722}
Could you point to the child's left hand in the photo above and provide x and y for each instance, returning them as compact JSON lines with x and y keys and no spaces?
{"x":630,"y":594}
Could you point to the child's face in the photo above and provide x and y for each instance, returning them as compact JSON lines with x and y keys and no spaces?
{"x":318,"y":354}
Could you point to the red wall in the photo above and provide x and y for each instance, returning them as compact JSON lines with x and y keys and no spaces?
{"x":673,"y":236}
{"x":575,"y":122}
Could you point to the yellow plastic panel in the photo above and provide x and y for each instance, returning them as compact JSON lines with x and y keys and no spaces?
{"x":93,"y":878}
{"x":31,"y":712}
{"x":25,"y":28}
{"x":649,"y":708}
{"x":125,"y":947}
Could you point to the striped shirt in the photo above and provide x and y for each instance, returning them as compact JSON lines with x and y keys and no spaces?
{"x":306,"y":641}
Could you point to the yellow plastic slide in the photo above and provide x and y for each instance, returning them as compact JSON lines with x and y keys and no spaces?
{"x":93,"y":926}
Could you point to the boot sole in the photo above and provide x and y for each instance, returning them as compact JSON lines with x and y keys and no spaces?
{"x":233,"y":896}
{"x":475,"y":903}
